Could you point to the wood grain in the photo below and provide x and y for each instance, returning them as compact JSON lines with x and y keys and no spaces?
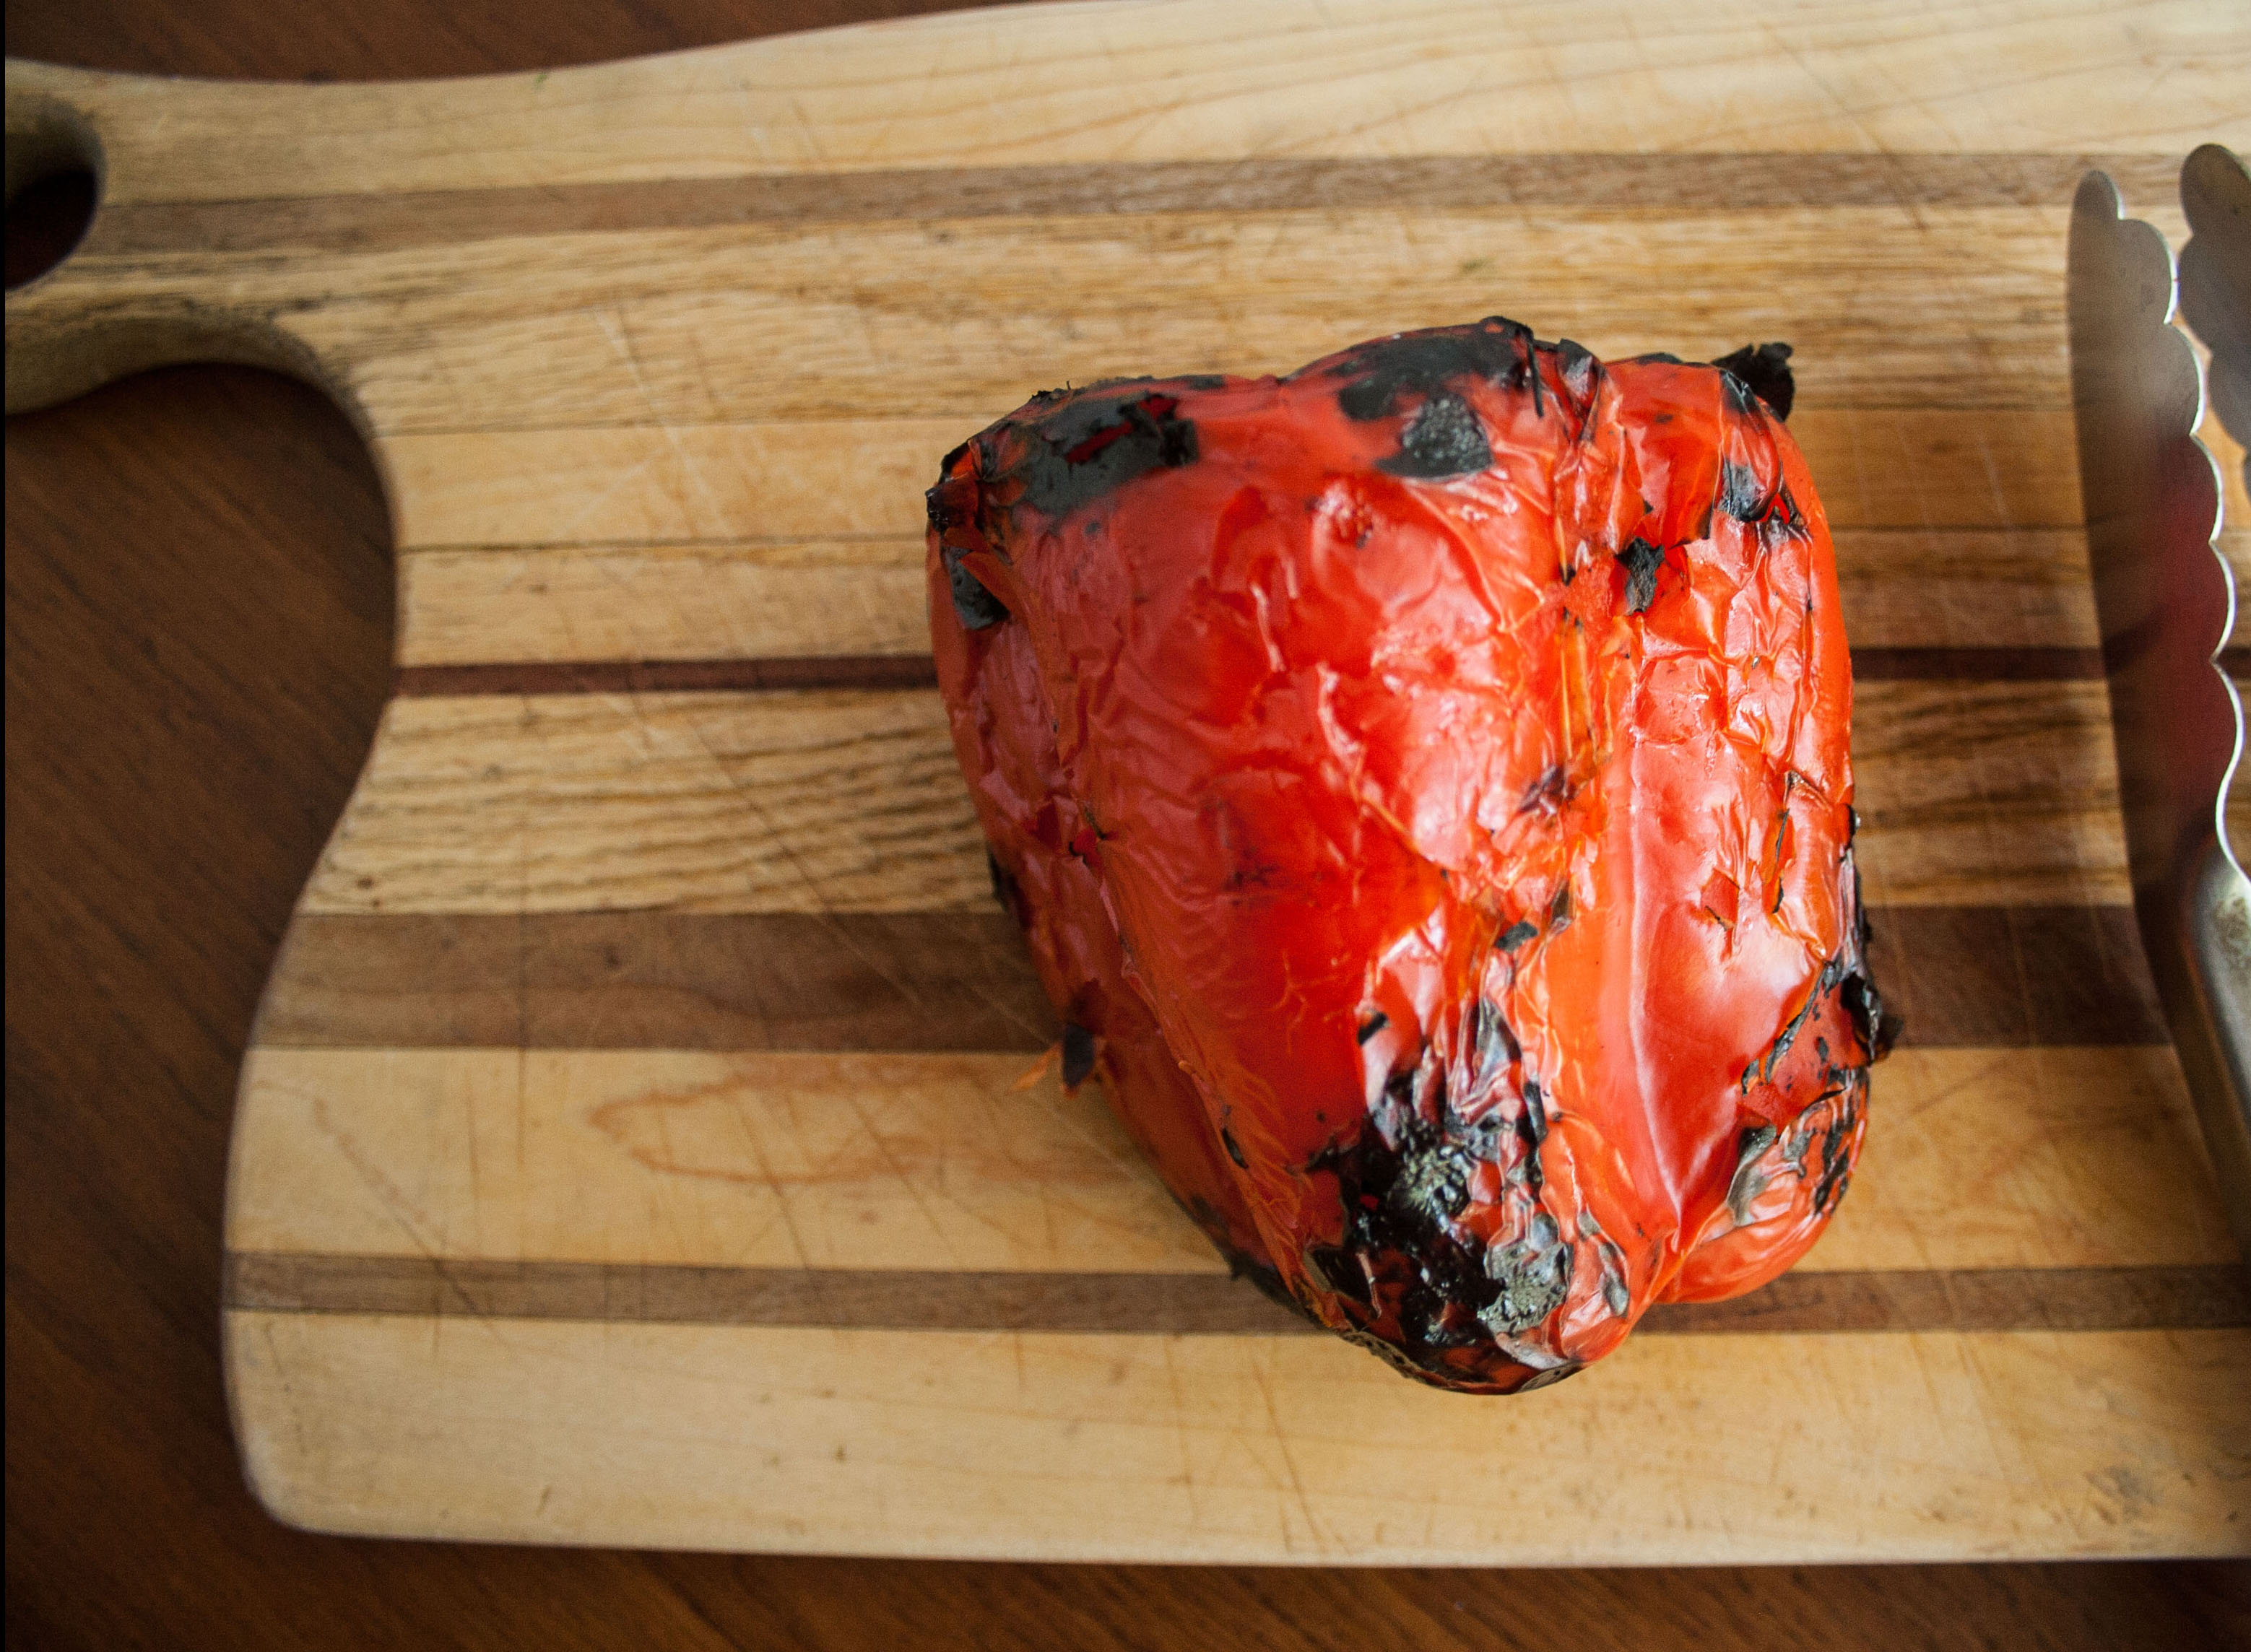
{"x":2003,"y":977}
{"x":1585,"y":182}
{"x":1295,"y":1448}
{"x":819,"y":322}
{"x":1993,"y":793}
{"x":2211,"y":1298}
{"x":779,"y":484}
{"x":1977,"y":1158}
{"x":1982,"y":589}
{"x":1185,"y":82}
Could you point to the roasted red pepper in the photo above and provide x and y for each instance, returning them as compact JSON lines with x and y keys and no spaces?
{"x":1424,"y":781}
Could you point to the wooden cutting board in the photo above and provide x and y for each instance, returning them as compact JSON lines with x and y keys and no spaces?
{"x":646,"y":1140}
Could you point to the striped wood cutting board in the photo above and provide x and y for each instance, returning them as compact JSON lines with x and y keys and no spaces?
{"x":635,"y":1148}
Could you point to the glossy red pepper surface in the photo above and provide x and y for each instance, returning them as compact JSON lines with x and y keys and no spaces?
{"x":1424,"y":782}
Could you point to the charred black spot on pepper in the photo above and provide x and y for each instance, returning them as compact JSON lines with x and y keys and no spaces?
{"x":1786,"y":512}
{"x":1763,"y":369}
{"x":1077,"y":1054}
{"x":1879,"y":1028}
{"x":1494,"y":1042}
{"x":1443,"y":438}
{"x":1371,"y":1026}
{"x":1340,"y":1270}
{"x":1420,"y":364}
{"x":1739,"y":492}
{"x":1093,"y":444}
{"x":1559,"y":910}
{"x":1552,"y":1375}
{"x":1398,"y":1197}
{"x":1516,"y":934}
{"x":1006,"y":889}
{"x":1534,"y":1127}
{"x":1617,"y":1296}
{"x":1580,"y":371}
{"x":1747,"y":1183}
{"x":1759,"y":1071}
{"x":1547,"y":789}
{"x":1531,"y":1277}
{"x":1642,"y":560}
{"x":1233,"y":1148}
{"x":1664,"y":357}
{"x":976,"y":607}
{"x":1738,"y":393}
{"x":1206,"y":381}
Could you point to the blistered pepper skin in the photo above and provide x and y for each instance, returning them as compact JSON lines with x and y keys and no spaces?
{"x":1424,"y":781}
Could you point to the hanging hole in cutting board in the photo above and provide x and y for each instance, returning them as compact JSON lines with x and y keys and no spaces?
{"x":54,"y":184}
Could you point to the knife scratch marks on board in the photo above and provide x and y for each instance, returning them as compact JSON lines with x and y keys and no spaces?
{"x":1263,"y":1377}
{"x":389,"y":1196}
{"x":617,"y":327}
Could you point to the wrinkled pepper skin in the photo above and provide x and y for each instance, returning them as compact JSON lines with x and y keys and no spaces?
{"x":1424,"y":783}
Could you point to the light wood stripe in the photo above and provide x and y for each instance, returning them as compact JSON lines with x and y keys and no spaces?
{"x":1286,"y":1449}
{"x":2061,"y":1157}
{"x":2206,"y":1298}
{"x":1933,"y":471}
{"x":1678,"y":184}
{"x":851,"y":597}
{"x":1960,"y":977}
{"x":1971,"y":794}
{"x":1964,"y":588}
{"x":1944,"y":307}
{"x":1185,"y":80}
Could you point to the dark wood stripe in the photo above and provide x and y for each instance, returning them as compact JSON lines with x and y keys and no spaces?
{"x":669,"y":676}
{"x":1182,"y":1304}
{"x":1977,"y":665}
{"x":659,"y":980}
{"x":1974,"y":976}
{"x":917,"y":671}
{"x":2014,"y":977}
{"x":1674,"y":183}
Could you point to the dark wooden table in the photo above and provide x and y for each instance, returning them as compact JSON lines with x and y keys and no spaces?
{"x":199,"y":612}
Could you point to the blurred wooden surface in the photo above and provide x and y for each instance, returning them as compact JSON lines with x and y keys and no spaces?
{"x":199,"y":609}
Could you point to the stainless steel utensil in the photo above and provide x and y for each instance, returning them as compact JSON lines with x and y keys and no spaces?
{"x":2166,"y":602}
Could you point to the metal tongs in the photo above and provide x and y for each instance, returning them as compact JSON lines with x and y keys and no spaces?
{"x":2165,"y":602}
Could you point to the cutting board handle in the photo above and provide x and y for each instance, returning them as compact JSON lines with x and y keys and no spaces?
{"x":102,"y":313}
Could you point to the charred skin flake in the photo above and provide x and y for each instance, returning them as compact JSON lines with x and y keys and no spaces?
{"x":1495,"y":1044}
{"x":1516,"y":934}
{"x":1387,"y":371}
{"x":1739,"y":492}
{"x":1006,"y":889}
{"x":1371,"y":1026}
{"x":1234,"y":1148}
{"x":1443,"y":439}
{"x":1398,"y":1203}
{"x":1763,"y":369}
{"x":977,"y":608}
{"x":1580,"y":371}
{"x":1747,"y":1183}
{"x":1877,"y":1027}
{"x":1617,"y":1297}
{"x":1641,"y":561}
{"x":1077,"y":1054}
{"x":1531,"y":1276}
{"x":1091,"y":445}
